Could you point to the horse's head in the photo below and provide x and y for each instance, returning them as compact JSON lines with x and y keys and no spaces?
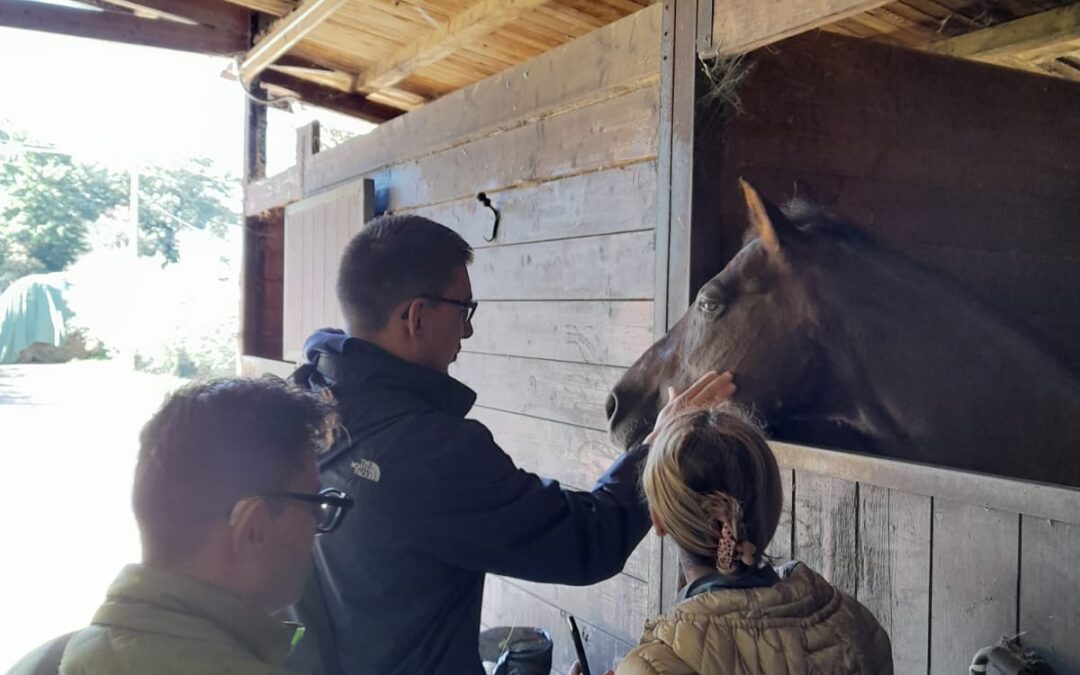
{"x":755,"y":318}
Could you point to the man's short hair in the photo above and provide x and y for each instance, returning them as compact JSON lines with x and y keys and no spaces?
{"x":213,"y":443}
{"x":394,"y":259}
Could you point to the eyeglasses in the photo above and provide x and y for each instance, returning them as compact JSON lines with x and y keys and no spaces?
{"x":329,"y":506}
{"x":468,"y":307}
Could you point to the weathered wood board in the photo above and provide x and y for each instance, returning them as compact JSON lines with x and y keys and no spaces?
{"x":317,"y":230}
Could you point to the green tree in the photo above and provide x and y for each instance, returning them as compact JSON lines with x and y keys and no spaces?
{"x":192,"y":195}
{"x":46,"y":201}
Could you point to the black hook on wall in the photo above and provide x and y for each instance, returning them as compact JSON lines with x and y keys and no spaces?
{"x":489,"y":235}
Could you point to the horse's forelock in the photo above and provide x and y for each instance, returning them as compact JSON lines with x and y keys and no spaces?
{"x":813,"y":219}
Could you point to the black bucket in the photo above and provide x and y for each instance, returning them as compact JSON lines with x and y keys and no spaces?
{"x":516,"y":650}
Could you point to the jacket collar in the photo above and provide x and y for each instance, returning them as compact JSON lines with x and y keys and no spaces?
{"x":150,"y":600}
{"x":761,"y":577}
{"x":348,"y":363}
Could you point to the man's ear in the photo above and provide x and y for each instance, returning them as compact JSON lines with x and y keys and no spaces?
{"x":657,"y":525}
{"x":413,"y":315}
{"x":248,"y":523}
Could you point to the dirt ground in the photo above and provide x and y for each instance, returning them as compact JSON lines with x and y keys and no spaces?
{"x":68,"y":441}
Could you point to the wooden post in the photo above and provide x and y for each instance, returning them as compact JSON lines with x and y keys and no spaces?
{"x":307,"y":145}
{"x":254,"y":169}
{"x":678,"y":55}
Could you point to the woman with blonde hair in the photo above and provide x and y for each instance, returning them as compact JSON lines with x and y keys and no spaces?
{"x":714,"y":487}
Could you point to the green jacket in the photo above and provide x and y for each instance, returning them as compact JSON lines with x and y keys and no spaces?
{"x":158,"y":623}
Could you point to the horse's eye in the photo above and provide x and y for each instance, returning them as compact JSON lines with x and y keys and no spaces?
{"x":708,"y":305}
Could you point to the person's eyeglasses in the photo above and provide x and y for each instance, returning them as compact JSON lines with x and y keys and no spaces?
{"x":329,"y":506}
{"x":468,"y":307}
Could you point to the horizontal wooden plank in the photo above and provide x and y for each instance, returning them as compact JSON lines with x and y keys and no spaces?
{"x":1016,"y":496}
{"x":975,"y":570}
{"x":894,"y":570}
{"x":574,"y":393}
{"x":617,"y":605}
{"x":472,"y":24}
{"x":613,"y":333}
{"x":616,"y":200}
{"x":608,"y":267}
{"x":1050,"y":591}
{"x":620,"y":57}
{"x":1041,"y":36}
{"x":572,"y":455}
{"x":508,"y":605}
{"x":825,"y":520}
{"x":742,"y":25}
{"x":615,"y":132}
{"x":120,"y":27}
{"x":273,"y":192}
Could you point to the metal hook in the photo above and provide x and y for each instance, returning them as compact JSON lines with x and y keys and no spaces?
{"x":494,"y":229}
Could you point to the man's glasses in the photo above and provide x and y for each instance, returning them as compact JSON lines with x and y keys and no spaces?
{"x":329,"y":506}
{"x":468,"y":307}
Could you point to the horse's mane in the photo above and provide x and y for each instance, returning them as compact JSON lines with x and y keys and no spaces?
{"x":813,"y":219}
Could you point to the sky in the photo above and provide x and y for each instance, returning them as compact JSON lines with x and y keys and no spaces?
{"x":119,"y":104}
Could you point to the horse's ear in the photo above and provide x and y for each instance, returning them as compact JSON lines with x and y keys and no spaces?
{"x":767,"y":220}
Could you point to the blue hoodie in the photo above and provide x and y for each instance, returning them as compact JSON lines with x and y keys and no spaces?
{"x":438,"y":505}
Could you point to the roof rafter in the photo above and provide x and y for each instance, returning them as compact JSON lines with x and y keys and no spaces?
{"x":480,"y":19}
{"x":119,"y":27}
{"x":225,"y":16}
{"x":355,"y":105}
{"x":1034,"y":38}
{"x":285,"y":33}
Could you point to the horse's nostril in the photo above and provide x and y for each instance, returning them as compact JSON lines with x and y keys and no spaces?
{"x":611,"y":406}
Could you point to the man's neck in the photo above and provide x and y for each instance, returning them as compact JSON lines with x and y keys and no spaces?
{"x":383,"y":340}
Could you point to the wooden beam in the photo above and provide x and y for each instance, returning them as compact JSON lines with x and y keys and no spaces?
{"x":284,"y":34}
{"x":480,"y":19}
{"x":117,"y":27}
{"x":743,"y":25}
{"x":1033,"y":38}
{"x":271,"y":7}
{"x":226,"y":16}
{"x":355,"y":105}
{"x":334,"y":79}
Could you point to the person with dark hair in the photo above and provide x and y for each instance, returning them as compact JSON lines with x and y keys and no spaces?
{"x":714,"y":487}
{"x":228,"y":502}
{"x":441,"y":504}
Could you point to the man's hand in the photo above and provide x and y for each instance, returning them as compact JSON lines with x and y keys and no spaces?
{"x":711,"y":390}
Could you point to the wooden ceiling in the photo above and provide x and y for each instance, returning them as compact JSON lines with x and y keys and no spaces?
{"x":1041,"y":36}
{"x":375,"y":59}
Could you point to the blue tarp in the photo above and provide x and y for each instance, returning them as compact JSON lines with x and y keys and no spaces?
{"x":32,"y":309}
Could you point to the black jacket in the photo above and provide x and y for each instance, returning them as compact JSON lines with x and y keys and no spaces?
{"x":439,"y":504}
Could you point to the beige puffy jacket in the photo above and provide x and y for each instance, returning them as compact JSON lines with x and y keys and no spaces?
{"x":799,"y":626}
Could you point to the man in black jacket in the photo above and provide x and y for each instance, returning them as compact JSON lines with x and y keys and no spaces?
{"x":438,"y":503}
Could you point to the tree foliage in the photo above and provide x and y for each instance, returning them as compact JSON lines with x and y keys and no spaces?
{"x":49,"y":201}
{"x":46,"y":202}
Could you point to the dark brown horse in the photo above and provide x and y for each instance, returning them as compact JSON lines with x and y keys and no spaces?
{"x":839,"y":342}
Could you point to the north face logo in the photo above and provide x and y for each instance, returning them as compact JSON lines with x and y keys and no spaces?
{"x":365,"y":468}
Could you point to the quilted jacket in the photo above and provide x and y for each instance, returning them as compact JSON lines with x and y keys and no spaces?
{"x":799,"y":626}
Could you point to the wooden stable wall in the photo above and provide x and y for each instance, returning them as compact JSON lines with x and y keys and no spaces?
{"x":566,"y":148}
{"x":972,"y":168}
{"x":948,"y":561}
